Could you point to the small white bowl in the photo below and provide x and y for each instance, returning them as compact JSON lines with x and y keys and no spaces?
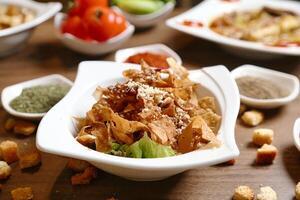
{"x":13,"y":39}
{"x":297,"y":133}
{"x":208,"y":10}
{"x":288,"y":82}
{"x":123,"y":54}
{"x":90,"y":47}
{"x":57,"y":130}
{"x":11,"y":92}
{"x":148,"y":20}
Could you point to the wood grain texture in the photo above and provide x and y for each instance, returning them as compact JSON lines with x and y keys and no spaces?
{"x":45,"y":55}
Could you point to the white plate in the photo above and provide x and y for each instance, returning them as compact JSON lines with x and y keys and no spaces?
{"x":57,"y":129}
{"x":288,"y":82}
{"x":90,"y":47}
{"x":148,"y":20}
{"x":297,"y":133}
{"x":11,"y":92}
{"x":12,"y":39}
{"x":123,"y":54}
{"x":207,"y":11}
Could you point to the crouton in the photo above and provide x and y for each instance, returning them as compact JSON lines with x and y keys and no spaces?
{"x":9,"y":150}
{"x":297,"y":190}
{"x":84,"y":177}
{"x":5,"y":170}
{"x":24,"y":127}
{"x":77,"y":165}
{"x":9,"y":124}
{"x":243,"y":193}
{"x":266,"y":154}
{"x":30,"y":159}
{"x":266,"y":193}
{"x":24,"y":193}
{"x":252,"y":118}
{"x":262,"y":136}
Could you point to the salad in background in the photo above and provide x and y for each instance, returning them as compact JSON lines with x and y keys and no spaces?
{"x":141,"y":7}
{"x":93,"y":20}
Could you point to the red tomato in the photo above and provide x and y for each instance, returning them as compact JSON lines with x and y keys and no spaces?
{"x":100,"y":22}
{"x":80,"y":6}
{"x":75,"y":26}
{"x":121,"y":24}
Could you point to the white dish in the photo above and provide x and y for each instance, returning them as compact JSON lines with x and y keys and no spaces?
{"x":12,"y":39}
{"x":148,"y":20}
{"x":11,"y":92}
{"x":57,"y":129}
{"x":288,"y":82}
{"x":90,"y":47}
{"x":123,"y":54}
{"x":208,"y":10}
{"x":297,"y":133}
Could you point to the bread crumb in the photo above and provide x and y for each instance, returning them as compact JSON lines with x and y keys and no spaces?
{"x":84,"y":177}
{"x":22,"y":193}
{"x":24,"y":127}
{"x":9,"y":150}
{"x":252,"y":118}
{"x":266,"y":154}
{"x":5,"y":170}
{"x":267,"y":193}
{"x":297,"y":190}
{"x":30,"y":160}
{"x":77,"y":165}
{"x":262,"y":136}
{"x":243,"y":193}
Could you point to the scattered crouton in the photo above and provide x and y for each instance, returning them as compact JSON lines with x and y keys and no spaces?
{"x":9,"y":124}
{"x":86,"y":140}
{"x":84,"y":177}
{"x":30,"y":159}
{"x":252,"y":118}
{"x":24,"y":193}
{"x":77,"y":165}
{"x":9,"y":150}
{"x":5,"y":170}
{"x":24,"y":127}
{"x":262,"y":136}
{"x":243,"y":108}
{"x":243,"y":193}
{"x":298,"y":191}
{"x":266,"y":193}
{"x":266,"y":154}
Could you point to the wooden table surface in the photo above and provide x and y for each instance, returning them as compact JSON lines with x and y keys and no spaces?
{"x":45,"y":55}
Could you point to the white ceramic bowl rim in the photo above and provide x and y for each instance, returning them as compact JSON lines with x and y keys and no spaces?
{"x":297,"y":133}
{"x":66,"y":144}
{"x":61,"y":16}
{"x":51,"y":9}
{"x":206,"y":11}
{"x":293,"y":94}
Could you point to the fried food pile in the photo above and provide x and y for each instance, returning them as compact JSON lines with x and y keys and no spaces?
{"x":155,"y":113}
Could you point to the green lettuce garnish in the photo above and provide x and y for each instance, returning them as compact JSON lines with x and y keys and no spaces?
{"x":144,"y":148}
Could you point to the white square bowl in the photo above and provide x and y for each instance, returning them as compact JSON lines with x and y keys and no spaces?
{"x":208,"y":10}
{"x":12,"y":39}
{"x":57,"y":129}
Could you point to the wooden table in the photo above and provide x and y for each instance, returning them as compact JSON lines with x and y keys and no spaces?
{"x":45,"y":55}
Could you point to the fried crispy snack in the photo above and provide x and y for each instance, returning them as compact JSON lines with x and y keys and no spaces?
{"x":9,"y":151}
{"x":85,"y":177}
{"x":162,"y":103}
{"x":24,"y":193}
{"x":30,"y":159}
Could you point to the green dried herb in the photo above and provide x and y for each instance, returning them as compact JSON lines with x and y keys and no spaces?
{"x":39,"y":99}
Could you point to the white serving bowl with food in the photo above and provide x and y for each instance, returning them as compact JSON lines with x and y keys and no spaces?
{"x":148,"y":20}
{"x":297,"y":133}
{"x":58,"y":130}
{"x":11,"y":92}
{"x":287,"y":86}
{"x":15,"y":33}
{"x":257,"y":43}
{"x":123,"y":54}
{"x":90,"y":47}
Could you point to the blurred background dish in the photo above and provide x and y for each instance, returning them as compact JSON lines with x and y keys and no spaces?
{"x":14,"y":37}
